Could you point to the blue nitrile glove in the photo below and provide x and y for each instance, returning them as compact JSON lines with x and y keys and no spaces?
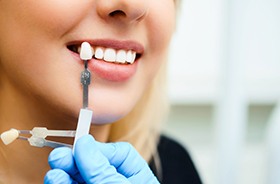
{"x":95,"y":162}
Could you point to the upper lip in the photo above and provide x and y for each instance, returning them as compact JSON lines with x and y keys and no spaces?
{"x":111,"y":43}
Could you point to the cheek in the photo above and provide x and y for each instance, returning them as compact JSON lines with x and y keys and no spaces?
{"x":44,"y":17}
{"x":161,"y":24}
{"x":30,"y":30}
{"x":54,"y":17}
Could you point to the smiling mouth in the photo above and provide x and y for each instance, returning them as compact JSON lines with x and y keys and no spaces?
{"x":110,"y":55}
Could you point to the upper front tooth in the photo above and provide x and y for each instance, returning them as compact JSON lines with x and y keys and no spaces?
{"x":129,"y":57}
{"x":110,"y":55}
{"x":133,"y":57}
{"x":121,"y":56}
{"x":99,"y":52}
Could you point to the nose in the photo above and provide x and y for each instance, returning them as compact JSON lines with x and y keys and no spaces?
{"x":126,"y":11}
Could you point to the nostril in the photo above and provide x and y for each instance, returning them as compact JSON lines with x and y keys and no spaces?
{"x":117,"y":13}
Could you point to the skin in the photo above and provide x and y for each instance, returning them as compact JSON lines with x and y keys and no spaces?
{"x":40,"y":80}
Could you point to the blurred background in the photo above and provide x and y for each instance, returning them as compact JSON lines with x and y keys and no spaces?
{"x":224,"y":87}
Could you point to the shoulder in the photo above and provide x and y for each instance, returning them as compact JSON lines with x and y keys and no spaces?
{"x":176,"y":163}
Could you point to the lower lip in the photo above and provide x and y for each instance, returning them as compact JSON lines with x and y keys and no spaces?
{"x":111,"y":71}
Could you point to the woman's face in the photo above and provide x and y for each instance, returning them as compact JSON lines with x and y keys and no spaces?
{"x":40,"y":39}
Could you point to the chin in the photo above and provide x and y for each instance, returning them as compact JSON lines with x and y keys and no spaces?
{"x":99,"y":118}
{"x":111,"y":105}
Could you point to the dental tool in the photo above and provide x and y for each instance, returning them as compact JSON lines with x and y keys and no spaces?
{"x":85,"y":54}
{"x":85,"y":115}
{"x":38,"y":135}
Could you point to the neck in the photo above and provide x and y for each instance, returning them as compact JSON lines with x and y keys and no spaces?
{"x":20,"y":162}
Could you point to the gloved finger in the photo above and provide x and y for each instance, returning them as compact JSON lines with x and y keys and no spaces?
{"x":57,"y":176}
{"x":128,"y":162}
{"x":62,"y":158}
{"x":144,"y":176}
{"x":123,"y":157}
{"x":94,"y":167}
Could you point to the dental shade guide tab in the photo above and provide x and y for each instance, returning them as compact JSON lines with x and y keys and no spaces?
{"x":86,"y":52}
{"x":38,"y":136}
{"x":9,"y":136}
{"x":85,"y":114}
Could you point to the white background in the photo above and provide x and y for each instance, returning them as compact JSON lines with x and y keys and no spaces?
{"x":224,"y":86}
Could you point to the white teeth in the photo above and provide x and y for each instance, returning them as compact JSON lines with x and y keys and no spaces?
{"x":133,"y":56}
{"x":107,"y":54}
{"x":129,"y":57}
{"x":99,"y":53}
{"x":121,"y":56}
{"x":110,"y":55}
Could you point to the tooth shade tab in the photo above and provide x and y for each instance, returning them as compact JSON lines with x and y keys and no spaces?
{"x":86,"y":52}
{"x":9,"y":136}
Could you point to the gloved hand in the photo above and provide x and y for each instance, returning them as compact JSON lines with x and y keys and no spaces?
{"x":95,"y":162}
